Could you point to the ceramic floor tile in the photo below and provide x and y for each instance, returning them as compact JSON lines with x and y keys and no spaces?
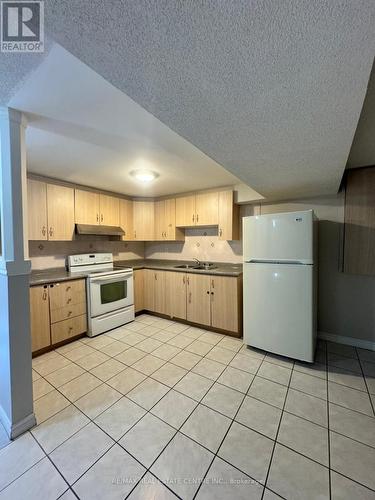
{"x":132,"y":338}
{"x":35,"y":375}
{"x":308,"y":384}
{"x":370,"y":381}
{"x":345,"y":377}
{"x":99,"y":341}
{"x":118,"y":333}
{"x":294,"y":477}
{"x":166,"y":352}
{"x":207,"y":427}
{"x":18,"y":457}
{"x":148,"y":319}
{"x":57,"y":429}
{"x":126,"y":380}
{"x":51,"y":364}
{"x":41,"y":387}
{"x":248,"y":451}
{"x":146,"y":440}
{"x":352,"y":424}
{"x":176,"y":328}
{"x":149,"y":331}
{"x":247,"y":363}
{"x":231,"y":343}
{"x":48,"y":405}
{"x":80,"y":386}
{"x":69,"y":347}
{"x":174,"y":408}
{"x":134,"y":326}
{"x":42,"y":481}
{"x":267,"y":391}
{"x":150,"y":488}
{"x":345,"y":363}
{"x":180,"y":341}
{"x":221,"y":355}
{"x":186,"y":360}
{"x":350,"y":398}
{"x":247,"y":350}
{"x":306,"y":406}
{"x":164,"y":336}
{"x":92,"y":360}
{"x":316,"y":369}
{"x":236,"y":379}
{"x":80,"y":452}
{"x":223,"y":399}
{"x":270,"y":495}
{"x":114,"y":348}
{"x":368,"y":368}
{"x":304,"y":437}
{"x":169,"y":374}
{"x":193,"y":332}
{"x":112,"y":477}
{"x":208,"y":368}
{"x":131,"y":356}
{"x":98,"y":400}
{"x":194,"y":385}
{"x":224,"y":481}
{"x":108,"y":369}
{"x":64,"y":375}
{"x":279,"y":360}
{"x":149,"y":364}
{"x":366,"y":355}
{"x":198,"y":347}
{"x":343,"y":488}
{"x":119,"y":418}
{"x":79,"y":352}
{"x":211,"y":337}
{"x":274,"y":372}
{"x":259,"y":416}
{"x":344,"y":350}
{"x":148,"y":393}
{"x":352,"y":459}
{"x":181,"y":465}
{"x":149,"y":345}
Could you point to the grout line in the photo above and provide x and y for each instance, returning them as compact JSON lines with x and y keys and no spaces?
{"x":368,"y":391}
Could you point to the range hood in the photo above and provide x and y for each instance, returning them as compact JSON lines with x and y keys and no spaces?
{"x":99,"y":230}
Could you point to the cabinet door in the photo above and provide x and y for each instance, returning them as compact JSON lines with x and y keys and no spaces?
{"x":126,"y":219}
{"x":198,"y":299}
{"x":144,"y":215}
{"x":229,"y":218}
{"x":67,"y":293}
{"x":148,"y":289}
{"x":224,"y":303}
{"x":176,"y":295}
{"x":109,"y":210}
{"x":39,"y":318}
{"x":160,"y":292}
{"x":64,"y":330}
{"x":185,"y":211}
{"x":37,"y":210}
{"x":160,"y":221}
{"x":60,"y":212}
{"x":138,"y":290}
{"x":207,"y":209}
{"x":87,"y":208}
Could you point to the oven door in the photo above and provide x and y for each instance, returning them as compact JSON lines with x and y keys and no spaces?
{"x":111,"y":292}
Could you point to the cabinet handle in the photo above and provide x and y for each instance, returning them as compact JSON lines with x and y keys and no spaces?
{"x":44,"y":230}
{"x":44,"y":296}
{"x":156,"y":276}
{"x":197,"y":217}
{"x":69,"y":301}
{"x":190,"y":298}
{"x":212,"y":283}
{"x":97,"y":217}
{"x":124,"y":232}
{"x":135,"y":234}
{"x":220,"y":232}
{"x":50,"y":231}
{"x":184,"y":280}
{"x":193,"y":217}
{"x":101,"y":218}
{"x":70,"y":313}
{"x":70,"y":329}
{"x":188,"y":280}
{"x":68,"y":288}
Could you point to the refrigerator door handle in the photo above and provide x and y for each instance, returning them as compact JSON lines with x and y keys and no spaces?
{"x":285,"y":261}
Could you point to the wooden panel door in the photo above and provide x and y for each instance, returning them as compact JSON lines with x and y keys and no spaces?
{"x":126,"y":219}
{"x":172,"y":232}
{"x":176,"y":294}
{"x":359,"y":244}
{"x":185,"y":211}
{"x":229,"y":217}
{"x":87,"y":207}
{"x":64,"y":330}
{"x":148,"y":289}
{"x":207,"y":209}
{"x":37,"y":210}
{"x":160,"y":292}
{"x":109,"y":210}
{"x":67,"y":293}
{"x":160,"y":221}
{"x":138,"y":290}
{"x":60,"y":212}
{"x":39,"y":318}
{"x":198,"y":299}
{"x":144,"y":216}
{"x":224,"y":303}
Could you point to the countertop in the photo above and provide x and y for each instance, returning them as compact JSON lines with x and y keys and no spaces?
{"x":45,"y":276}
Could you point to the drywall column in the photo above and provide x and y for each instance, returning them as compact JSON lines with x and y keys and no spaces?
{"x":16,"y":401}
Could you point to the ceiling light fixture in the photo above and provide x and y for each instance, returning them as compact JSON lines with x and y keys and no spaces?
{"x":144,"y":175}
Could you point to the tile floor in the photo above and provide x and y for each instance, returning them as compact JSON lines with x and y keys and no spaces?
{"x":161,"y":410}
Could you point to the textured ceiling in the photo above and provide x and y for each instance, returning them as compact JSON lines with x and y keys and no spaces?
{"x":362,"y":152}
{"x":272,"y":90}
{"x":83,"y":129}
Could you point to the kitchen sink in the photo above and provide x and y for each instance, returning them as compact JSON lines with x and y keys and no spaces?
{"x":186,"y":266}
{"x":203,"y":267}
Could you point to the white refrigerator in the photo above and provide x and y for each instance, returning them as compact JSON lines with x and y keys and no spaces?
{"x":280,"y":285}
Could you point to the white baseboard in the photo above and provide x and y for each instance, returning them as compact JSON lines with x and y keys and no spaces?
{"x":340,"y":339}
{"x":15,"y":430}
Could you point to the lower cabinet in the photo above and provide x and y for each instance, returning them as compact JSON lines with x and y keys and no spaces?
{"x":58,"y":313}
{"x":198,"y":299}
{"x":138,"y":290}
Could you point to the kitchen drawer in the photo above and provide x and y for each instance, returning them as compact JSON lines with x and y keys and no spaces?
{"x":68,"y":312}
{"x":67,"y":293}
{"x":68,"y":328}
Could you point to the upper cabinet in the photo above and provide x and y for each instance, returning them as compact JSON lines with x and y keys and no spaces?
{"x":87,"y":207}
{"x":165,"y":221}
{"x":144,"y":220}
{"x":359,"y":234}
{"x":126,"y":219}
{"x":185,"y":211}
{"x":201,"y":209}
{"x":109,"y":210}
{"x":51,"y":211}
{"x":229,"y":217}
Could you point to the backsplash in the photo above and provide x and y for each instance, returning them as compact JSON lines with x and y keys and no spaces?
{"x":47,"y":254}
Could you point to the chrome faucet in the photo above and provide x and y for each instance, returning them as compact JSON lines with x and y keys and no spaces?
{"x":197,"y":261}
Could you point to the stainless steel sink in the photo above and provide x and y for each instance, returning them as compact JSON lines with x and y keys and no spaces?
{"x":204,"y":267}
{"x":186,"y":266}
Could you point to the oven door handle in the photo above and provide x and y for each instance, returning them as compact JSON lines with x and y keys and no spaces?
{"x":111,"y":279}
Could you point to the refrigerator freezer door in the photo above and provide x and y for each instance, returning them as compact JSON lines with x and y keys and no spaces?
{"x":284,"y":237}
{"x":278,"y":309}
